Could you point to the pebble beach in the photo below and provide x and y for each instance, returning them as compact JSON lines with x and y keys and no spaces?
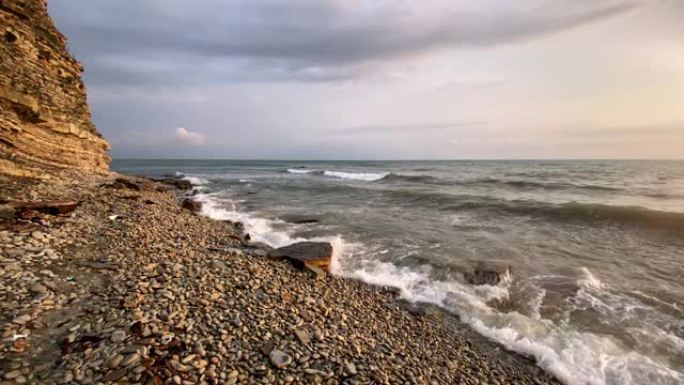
{"x":131,"y":287}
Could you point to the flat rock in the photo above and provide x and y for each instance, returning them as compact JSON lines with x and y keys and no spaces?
{"x":301,"y":254}
{"x":178,"y":183}
{"x":122,"y":183}
{"x":302,"y":336}
{"x":98,"y":265}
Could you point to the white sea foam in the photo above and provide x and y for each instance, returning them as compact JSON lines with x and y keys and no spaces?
{"x":369,"y":177}
{"x":575,"y":357}
{"x":194,"y":179}
{"x":299,"y":171}
{"x":588,"y":280}
{"x":364,"y":176}
{"x":261,"y":230}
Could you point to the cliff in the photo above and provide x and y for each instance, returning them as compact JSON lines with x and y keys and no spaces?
{"x":45,"y":121}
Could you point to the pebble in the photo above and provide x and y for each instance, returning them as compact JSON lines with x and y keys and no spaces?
{"x":280,"y":359}
{"x":115,"y":361}
{"x":302,"y":336}
{"x":115,"y":375}
{"x":22,"y":319}
{"x":351,"y":368}
{"x":38,"y":288}
{"x":199,"y":349}
{"x":12,"y":374}
{"x":131,"y":359}
{"x":39,"y":236}
{"x":118,"y":336}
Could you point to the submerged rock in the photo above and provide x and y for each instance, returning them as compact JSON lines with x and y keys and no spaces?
{"x":300,"y":220}
{"x":305,"y":221}
{"x":302,"y":254}
{"x":488,"y":273}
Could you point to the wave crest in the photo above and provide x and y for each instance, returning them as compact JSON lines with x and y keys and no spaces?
{"x":363,"y":176}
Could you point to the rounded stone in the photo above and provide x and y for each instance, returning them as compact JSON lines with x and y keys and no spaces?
{"x":280,"y":359}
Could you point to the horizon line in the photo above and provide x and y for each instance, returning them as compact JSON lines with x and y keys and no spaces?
{"x":407,"y":160}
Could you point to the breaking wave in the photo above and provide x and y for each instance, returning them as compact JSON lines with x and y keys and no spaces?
{"x":583,"y":212}
{"x":195,"y":180}
{"x":363,"y":176}
{"x":576,"y":353}
{"x":573,"y":356}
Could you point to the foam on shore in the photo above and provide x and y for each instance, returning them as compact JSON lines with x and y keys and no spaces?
{"x":575,"y":357}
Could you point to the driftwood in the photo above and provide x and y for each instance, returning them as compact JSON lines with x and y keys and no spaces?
{"x":45,"y":207}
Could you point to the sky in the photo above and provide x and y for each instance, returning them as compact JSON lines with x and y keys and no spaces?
{"x":382,"y":79}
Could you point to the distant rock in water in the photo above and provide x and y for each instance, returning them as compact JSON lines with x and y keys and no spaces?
{"x":488,"y":273}
{"x":300,"y":220}
{"x":303,"y":254}
{"x":44,"y":117}
{"x":176,"y":182}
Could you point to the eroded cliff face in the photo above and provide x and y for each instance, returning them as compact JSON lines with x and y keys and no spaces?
{"x":44,"y":116}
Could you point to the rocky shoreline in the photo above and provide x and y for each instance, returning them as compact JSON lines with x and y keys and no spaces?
{"x":131,"y":287}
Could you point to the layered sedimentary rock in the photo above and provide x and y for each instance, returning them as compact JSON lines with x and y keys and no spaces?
{"x":45,"y":121}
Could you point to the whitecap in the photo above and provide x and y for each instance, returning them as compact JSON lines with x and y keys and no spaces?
{"x":299,"y":171}
{"x":196,"y":180}
{"x":369,"y":177}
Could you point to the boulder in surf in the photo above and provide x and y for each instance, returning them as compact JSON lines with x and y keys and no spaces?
{"x":192,"y":205}
{"x":303,"y":254}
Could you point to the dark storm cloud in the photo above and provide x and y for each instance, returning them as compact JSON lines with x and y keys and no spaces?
{"x":129,"y":42}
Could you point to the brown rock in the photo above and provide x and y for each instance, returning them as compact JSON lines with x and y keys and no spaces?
{"x":192,"y":205}
{"x":303,"y":254}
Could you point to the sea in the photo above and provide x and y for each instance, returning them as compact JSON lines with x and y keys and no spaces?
{"x":595,"y":293}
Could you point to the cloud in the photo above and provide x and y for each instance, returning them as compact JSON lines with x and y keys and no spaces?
{"x":167,"y":42}
{"x":183,"y":135}
{"x":413,"y":128}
